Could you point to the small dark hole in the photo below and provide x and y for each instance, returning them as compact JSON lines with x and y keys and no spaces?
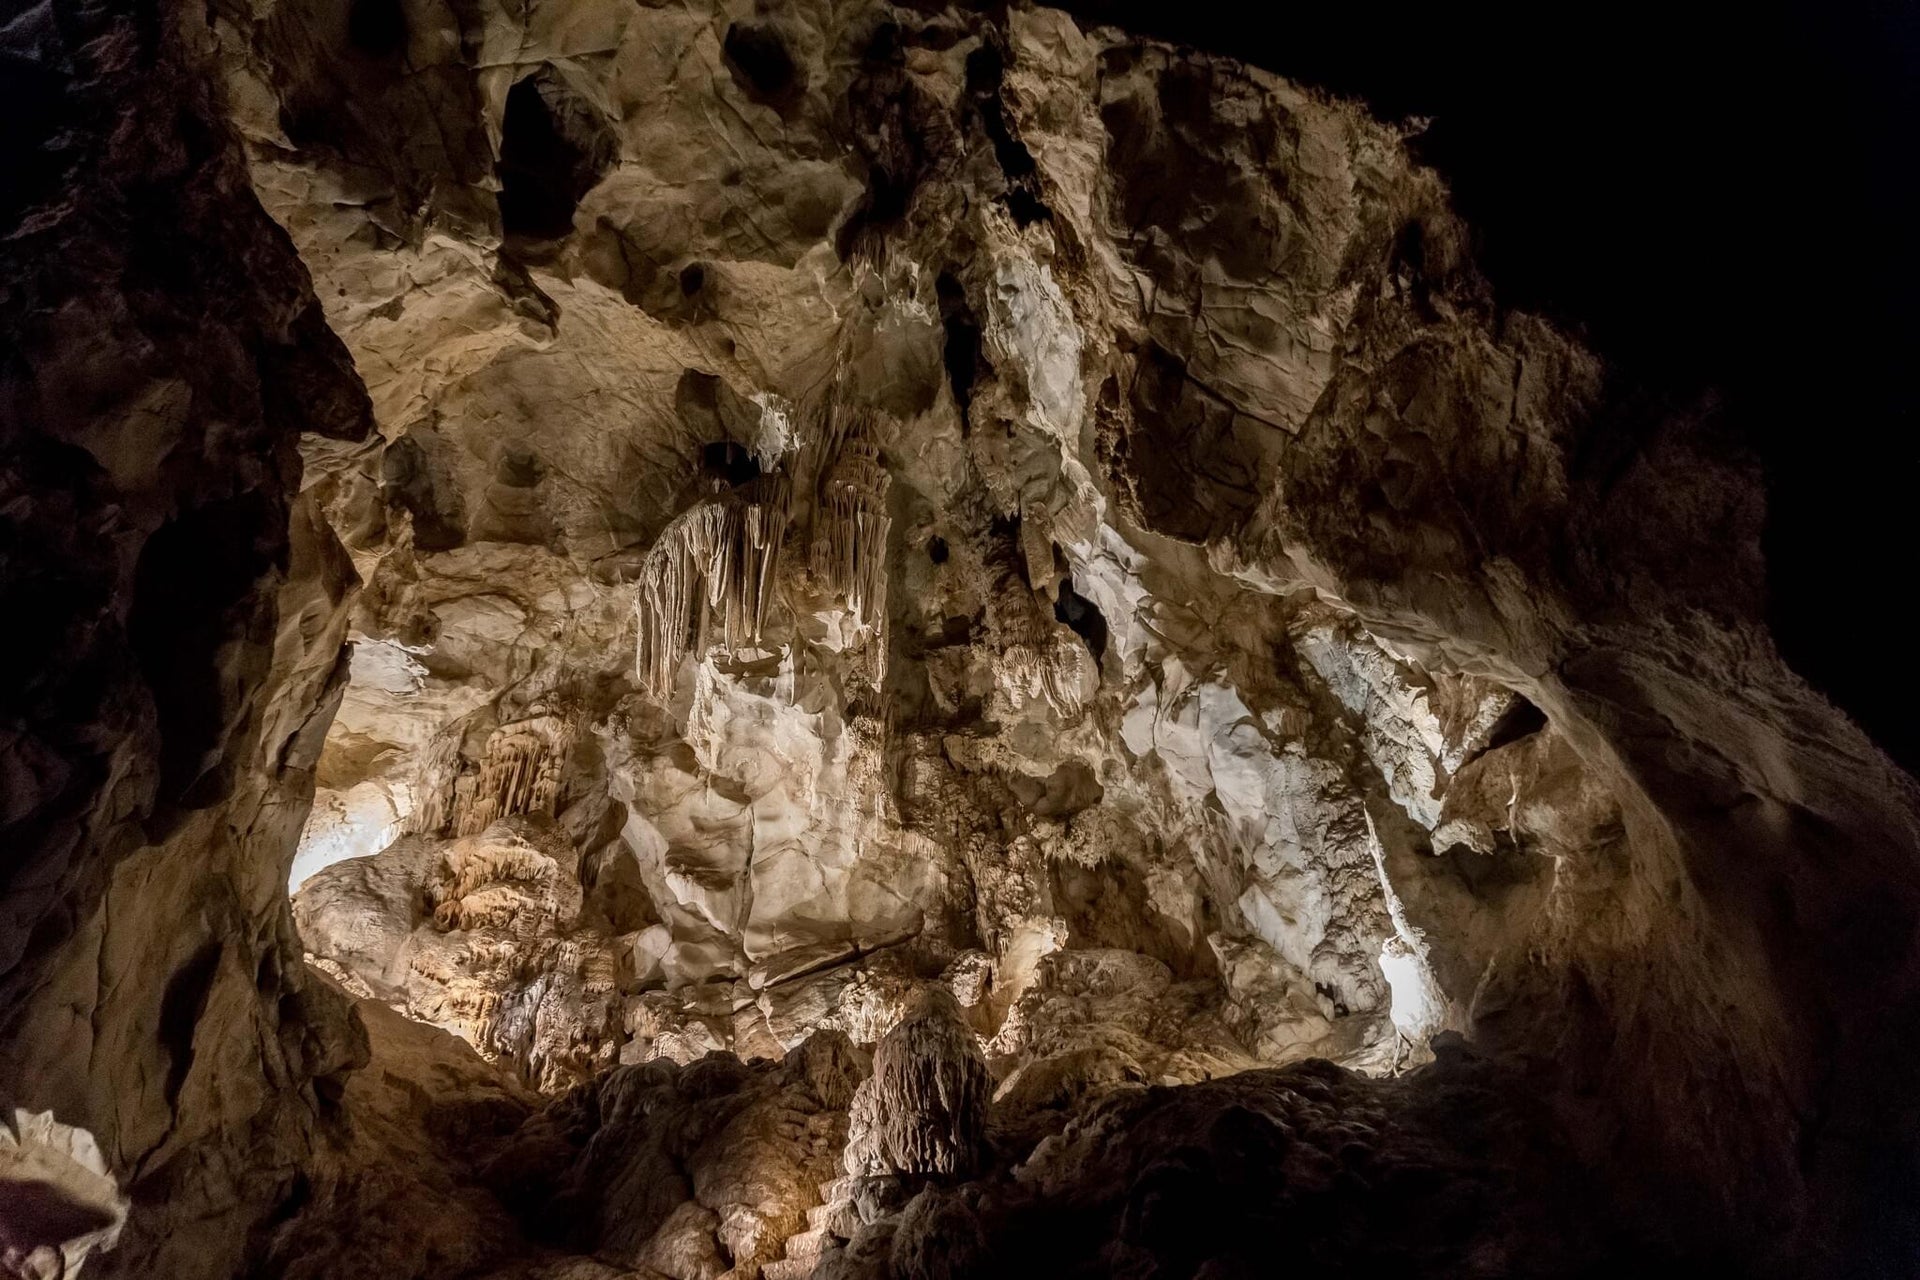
{"x":888,"y":196}
{"x":693,"y":278}
{"x":518,"y":469}
{"x":299,"y":1195}
{"x":1026,"y":207}
{"x":725,"y":460}
{"x":1521,"y":720}
{"x":884,"y":47}
{"x":985,"y":70}
{"x":937,"y":549}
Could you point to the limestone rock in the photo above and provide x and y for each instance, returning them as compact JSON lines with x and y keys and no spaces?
{"x":685,"y":1169}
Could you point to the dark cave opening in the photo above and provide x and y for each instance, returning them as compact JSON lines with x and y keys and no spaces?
{"x":1083,"y":616}
{"x":986,"y":69}
{"x":1521,"y":720}
{"x":761,"y":65}
{"x":961,"y":350}
{"x":729,"y":463}
{"x":552,"y":152}
{"x":377,"y":28}
{"x":1518,"y":721}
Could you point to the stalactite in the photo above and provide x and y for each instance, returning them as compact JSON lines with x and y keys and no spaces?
{"x":851,"y":529}
{"x":1047,"y":670}
{"x":434,"y":786}
{"x":520,"y":774}
{"x":465,"y":890}
{"x":714,"y":563}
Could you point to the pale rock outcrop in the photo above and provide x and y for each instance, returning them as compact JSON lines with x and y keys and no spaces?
{"x":483,"y":937}
{"x":58,"y":1203}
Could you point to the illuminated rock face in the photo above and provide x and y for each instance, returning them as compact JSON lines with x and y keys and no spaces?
{"x":943,"y":601}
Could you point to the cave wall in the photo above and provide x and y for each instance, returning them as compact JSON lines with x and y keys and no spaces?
{"x":179,"y":612}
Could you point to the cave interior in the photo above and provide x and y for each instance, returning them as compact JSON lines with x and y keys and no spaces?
{"x":905,"y":641}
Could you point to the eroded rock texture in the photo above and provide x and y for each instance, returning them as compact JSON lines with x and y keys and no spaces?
{"x":777,"y":535}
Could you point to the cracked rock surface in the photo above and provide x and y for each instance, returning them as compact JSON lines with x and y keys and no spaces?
{"x":851,"y":639}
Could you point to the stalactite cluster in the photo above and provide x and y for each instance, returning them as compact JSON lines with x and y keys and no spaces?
{"x":714,"y":564}
{"x":850,"y":534}
{"x":1034,"y":659}
{"x":709,"y":578}
{"x":457,"y":890}
{"x":520,"y":774}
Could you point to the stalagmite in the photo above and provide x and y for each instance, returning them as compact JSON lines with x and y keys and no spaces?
{"x":924,"y":1109}
{"x":719,"y":558}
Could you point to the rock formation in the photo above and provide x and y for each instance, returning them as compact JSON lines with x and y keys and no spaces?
{"x":880,"y":640}
{"x":924,"y":1108}
{"x":58,"y":1203}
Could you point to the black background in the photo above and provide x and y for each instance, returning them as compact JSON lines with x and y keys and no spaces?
{"x":1720,"y":200}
